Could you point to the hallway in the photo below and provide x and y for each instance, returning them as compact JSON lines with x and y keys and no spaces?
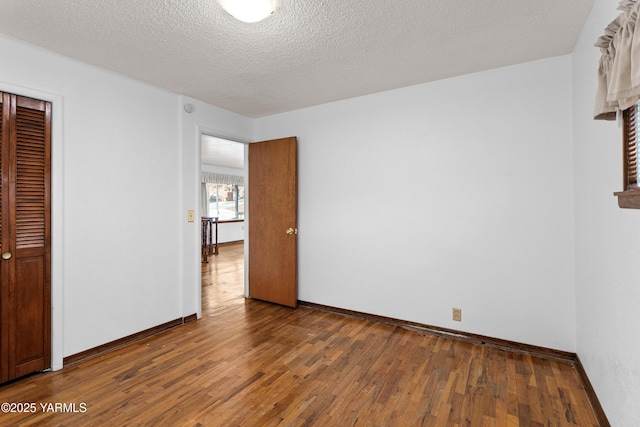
{"x":223,"y":278}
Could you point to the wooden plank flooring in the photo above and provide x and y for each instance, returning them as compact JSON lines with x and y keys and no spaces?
{"x":250,"y":363}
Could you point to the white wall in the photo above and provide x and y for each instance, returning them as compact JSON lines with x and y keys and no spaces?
{"x":116,"y":273}
{"x":222,"y":169}
{"x":230,"y":232}
{"x":456,"y":193}
{"x":607,"y":246}
{"x":126,"y":167}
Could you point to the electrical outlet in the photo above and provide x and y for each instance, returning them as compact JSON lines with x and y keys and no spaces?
{"x":457,"y":314}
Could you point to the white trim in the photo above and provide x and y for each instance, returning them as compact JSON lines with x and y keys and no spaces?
{"x":180,"y":206}
{"x":246,"y":221}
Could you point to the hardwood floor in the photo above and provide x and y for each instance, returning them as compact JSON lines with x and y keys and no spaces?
{"x":249,"y":363}
{"x":223,"y":277}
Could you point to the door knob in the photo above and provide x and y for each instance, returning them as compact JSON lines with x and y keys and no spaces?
{"x":6,"y":255}
{"x":291,"y":231}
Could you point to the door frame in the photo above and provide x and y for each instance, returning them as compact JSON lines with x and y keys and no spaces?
{"x":57,"y":215}
{"x":245,"y":174}
{"x":204,"y":130}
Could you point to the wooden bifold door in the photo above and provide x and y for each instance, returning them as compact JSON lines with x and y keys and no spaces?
{"x":25,"y":236}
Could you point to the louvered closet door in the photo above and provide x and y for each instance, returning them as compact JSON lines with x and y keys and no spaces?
{"x":25,"y":236}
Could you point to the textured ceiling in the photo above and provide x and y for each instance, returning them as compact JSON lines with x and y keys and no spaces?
{"x":220,"y":152}
{"x":307,"y":52}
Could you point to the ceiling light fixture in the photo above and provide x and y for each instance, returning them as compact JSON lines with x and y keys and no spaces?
{"x":248,"y":10}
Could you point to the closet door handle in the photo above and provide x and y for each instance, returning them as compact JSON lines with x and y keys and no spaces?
{"x":6,"y":255}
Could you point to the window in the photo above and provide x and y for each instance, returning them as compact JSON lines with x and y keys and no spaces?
{"x":629,"y":197}
{"x":226,"y":201}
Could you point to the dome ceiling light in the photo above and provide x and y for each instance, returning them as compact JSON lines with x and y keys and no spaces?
{"x":248,"y":10}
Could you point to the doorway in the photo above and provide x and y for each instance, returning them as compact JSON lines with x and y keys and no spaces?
{"x":222,"y":204}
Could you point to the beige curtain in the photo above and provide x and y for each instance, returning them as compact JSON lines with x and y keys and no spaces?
{"x":619,"y":69}
{"x":204,"y":200}
{"x":222,"y":178}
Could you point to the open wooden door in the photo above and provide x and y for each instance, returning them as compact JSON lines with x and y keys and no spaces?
{"x":273,"y":207}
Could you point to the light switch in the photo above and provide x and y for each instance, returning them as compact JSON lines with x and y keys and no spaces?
{"x":190,"y":214}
